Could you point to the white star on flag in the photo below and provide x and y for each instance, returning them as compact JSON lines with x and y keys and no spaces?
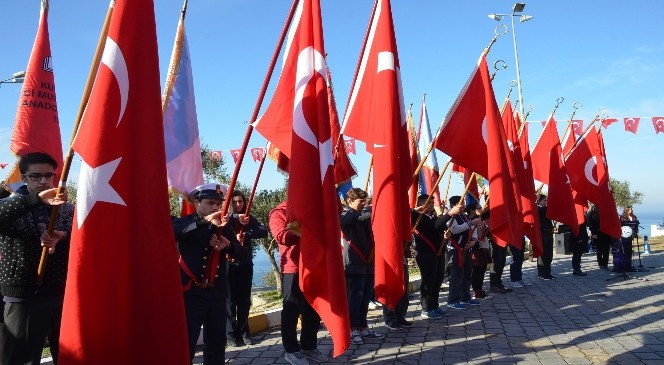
{"x":94,"y":187}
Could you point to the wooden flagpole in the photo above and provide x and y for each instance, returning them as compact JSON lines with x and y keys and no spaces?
{"x":62,"y":185}
{"x":435,"y":185}
{"x":259,"y":102}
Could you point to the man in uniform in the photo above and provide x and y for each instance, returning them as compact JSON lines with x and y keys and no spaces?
{"x":202,"y":270}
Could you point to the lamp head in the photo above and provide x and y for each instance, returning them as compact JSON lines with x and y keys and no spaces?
{"x":518,"y":7}
{"x":525,"y":18}
{"x":495,"y":17}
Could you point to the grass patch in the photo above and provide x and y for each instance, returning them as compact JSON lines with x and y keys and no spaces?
{"x":270,"y":296}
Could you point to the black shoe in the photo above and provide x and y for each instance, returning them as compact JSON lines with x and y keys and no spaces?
{"x":551,"y":277}
{"x":544,"y":277}
{"x":498,"y":289}
{"x":405,"y":323}
{"x":247,"y":341}
{"x":579,"y":273}
{"x":603,"y":267}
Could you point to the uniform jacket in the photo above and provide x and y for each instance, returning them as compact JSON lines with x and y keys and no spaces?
{"x":358,"y":251}
{"x":20,"y":246}
{"x":432,"y":228}
{"x":193,"y":237}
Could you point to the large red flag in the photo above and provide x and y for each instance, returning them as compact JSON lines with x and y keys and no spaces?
{"x":590,"y":179}
{"x":375,"y":115}
{"x":611,"y":223}
{"x":344,"y":171}
{"x":580,"y":202}
{"x":414,"y":159}
{"x":302,"y":104}
{"x":547,"y":156}
{"x":123,"y":301}
{"x":473,"y":135}
{"x":524,"y":178}
{"x":527,"y":190}
{"x":37,"y":128}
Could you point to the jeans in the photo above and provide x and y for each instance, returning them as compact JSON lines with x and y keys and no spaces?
{"x":294,"y":305}
{"x":399,"y":312}
{"x":460,"y":276}
{"x":516,"y":273}
{"x":360,"y":290}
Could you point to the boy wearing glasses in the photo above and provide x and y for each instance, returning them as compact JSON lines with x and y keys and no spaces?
{"x":32,"y":312}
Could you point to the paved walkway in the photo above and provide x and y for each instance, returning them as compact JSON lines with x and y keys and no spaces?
{"x":570,"y":320}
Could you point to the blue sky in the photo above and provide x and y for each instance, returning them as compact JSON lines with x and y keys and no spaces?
{"x":607,"y":54}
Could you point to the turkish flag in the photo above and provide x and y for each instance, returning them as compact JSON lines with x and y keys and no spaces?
{"x":577,"y":126}
{"x":414,"y":160}
{"x":524,"y":174}
{"x":375,"y":115}
{"x":631,"y":124}
{"x":473,"y":136}
{"x":257,"y":153}
{"x":236,"y":155}
{"x":350,"y":145}
{"x":608,"y":121}
{"x":580,"y":202}
{"x":123,"y":299}
{"x":36,"y":126}
{"x":429,"y":174}
{"x":658,"y":123}
{"x":301,"y":98}
{"x":549,"y":168}
{"x":215,"y":155}
{"x":588,"y":176}
{"x":279,"y":158}
{"x":344,"y":171}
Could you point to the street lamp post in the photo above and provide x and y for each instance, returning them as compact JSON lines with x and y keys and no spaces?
{"x":516,"y":10}
{"x":17,"y":78}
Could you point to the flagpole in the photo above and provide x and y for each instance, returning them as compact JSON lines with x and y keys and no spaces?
{"x":484,"y":53}
{"x":62,"y":185}
{"x":447,"y":189}
{"x":576,"y":105}
{"x":435,"y":185}
{"x":366,"y":183}
{"x":253,"y":189}
{"x":259,"y":102}
{"x":175,"y":60}
{"x":590,"y":125}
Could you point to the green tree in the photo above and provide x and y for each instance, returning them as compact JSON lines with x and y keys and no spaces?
{"x":264,"y":202}
{"x":623,"y":195}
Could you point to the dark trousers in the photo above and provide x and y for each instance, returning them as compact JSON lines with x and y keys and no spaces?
{"x":516,"y":268}
{"x":460,"y":276}
{"x":359,"y":290}
{"x":26,"y":327}
{"x":578,"y":249}
{"x":399,"y":312}
{"x":294,"y":305}
{"x":498,"y":256}
{"x":239,"y":299}
{"x":432,"y":269}
{"x":544,"y":261}
{"x":627,"y":253}
{"x":603,"y":243}
{"x":478,"y":277}
{"x":210,"y":312}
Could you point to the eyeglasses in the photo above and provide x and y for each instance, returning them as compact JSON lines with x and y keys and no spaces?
{"x":38,"y":177}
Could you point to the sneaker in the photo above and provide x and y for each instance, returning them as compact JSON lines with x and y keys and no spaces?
{"x":371,"y":334}
{"x":517,"y":284}
{"x":374,"y":304}
{"x":394,"y":326}
{"x":248,"y":341}
{"x":405,"y":323}
{"x":441,"y":311}
{"x":456,"y":306}
{"x":315,"y":355}
{"x":579,"y":273}
{"x":432,"y":314}
{"x":296,"y":358}
{"x":551,"y":277}
{"x":544,"y":277}
{"x":471,"y":302}
{"x":480,"y":294}
{"x":356,"y":338}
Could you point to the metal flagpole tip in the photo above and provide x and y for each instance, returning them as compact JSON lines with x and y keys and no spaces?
{"x":499,"y":65}
{"x":504,"y":31}
{"x":559,"y":101}
{"x":577,"y":105}
{"x":513,"y":83}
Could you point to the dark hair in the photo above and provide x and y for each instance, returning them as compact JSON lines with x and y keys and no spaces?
{"x":454,"y":200}
{"x":34,"y":158}
{"x":422,"y":198}
{"x":541,"y":197}
{"x":356,"y":193}
{"x":244,"y":198}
